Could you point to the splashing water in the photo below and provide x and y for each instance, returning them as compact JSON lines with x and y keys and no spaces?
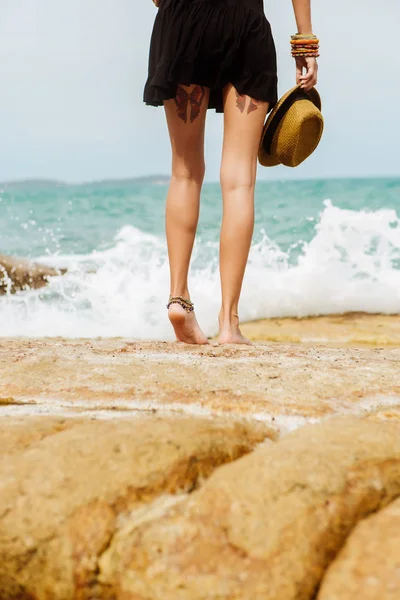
{"x":350,"y":263}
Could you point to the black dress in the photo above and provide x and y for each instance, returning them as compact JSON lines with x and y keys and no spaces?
{"x":212,"y":43}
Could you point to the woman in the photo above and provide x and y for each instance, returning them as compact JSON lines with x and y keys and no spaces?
{"x":215,"y":54}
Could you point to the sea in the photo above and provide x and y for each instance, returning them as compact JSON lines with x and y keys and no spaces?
{"x":320,"y":247}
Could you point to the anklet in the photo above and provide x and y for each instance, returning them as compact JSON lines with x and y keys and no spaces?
{"x":186,"y":304}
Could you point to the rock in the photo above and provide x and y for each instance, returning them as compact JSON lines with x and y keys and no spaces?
{"x":265,"y":527}
{"x":350,"y":329}
{"x":289,"y":383}
{"x":368,"y":566}
{"x":17,"y":434}
{"x":70,"y":485}
{"x":19,"y":274}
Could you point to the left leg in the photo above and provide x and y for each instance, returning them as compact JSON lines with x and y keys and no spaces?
{"x":243,"y":123}
{"x":186,"y":115}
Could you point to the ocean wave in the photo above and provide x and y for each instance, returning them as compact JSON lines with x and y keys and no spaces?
{"x":351,"y":264}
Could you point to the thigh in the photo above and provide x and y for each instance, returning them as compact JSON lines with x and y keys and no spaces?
{"x":244,"y":118}
{"x":186,"y":116}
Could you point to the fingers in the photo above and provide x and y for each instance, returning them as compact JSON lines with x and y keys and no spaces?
{"x":308,"y":80}
{"x":156,"y":2}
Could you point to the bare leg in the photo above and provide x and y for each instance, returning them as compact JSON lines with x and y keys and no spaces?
{"x":186,"y":116}
{"x":243,"y":122}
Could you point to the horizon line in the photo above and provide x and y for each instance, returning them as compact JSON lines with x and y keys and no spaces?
{"x":165,"y":178}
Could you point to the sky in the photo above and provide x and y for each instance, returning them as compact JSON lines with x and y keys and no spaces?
{"x":72,"y":74}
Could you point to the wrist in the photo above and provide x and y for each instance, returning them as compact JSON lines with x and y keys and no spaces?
{"x":304,"y":26}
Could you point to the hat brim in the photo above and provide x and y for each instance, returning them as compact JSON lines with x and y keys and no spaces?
{"x":266,"y":159}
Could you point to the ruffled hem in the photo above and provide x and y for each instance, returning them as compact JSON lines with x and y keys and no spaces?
{"x":211,"y":44}
{"x":162,"y":86}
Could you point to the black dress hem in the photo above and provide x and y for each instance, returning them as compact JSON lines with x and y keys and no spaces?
{"x":265,"y":90}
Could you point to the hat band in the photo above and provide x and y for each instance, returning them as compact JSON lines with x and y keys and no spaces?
{"x":278,"y":116}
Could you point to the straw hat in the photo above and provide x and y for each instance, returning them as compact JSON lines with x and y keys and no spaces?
{"x":293,"y":129}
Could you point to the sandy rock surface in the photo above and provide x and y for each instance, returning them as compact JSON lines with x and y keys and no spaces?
{"x":287,"y":383}
{"x":18,"y":274}
{"x":114,"y":474}
{"x":351,"y":329}
{"x":368,"y":566}
{"x":267,"y":526}
{"x":65,"y":486}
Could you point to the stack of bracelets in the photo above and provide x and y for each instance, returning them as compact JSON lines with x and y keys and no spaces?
{"x":305,"y":45}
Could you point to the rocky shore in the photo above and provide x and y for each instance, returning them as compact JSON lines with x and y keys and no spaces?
{"x":17,"y":274}
{"x":143,"y":470}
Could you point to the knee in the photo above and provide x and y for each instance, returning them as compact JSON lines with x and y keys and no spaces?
{"x":192,"y":172}
{"x":237,"y":177}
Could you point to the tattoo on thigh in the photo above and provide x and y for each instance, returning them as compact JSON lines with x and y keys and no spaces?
{"x":241,"y":101}
{"x":194,"y":98}
{"x":253,"y":105}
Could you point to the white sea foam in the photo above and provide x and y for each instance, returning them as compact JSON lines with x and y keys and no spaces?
{"x":351,"y":264}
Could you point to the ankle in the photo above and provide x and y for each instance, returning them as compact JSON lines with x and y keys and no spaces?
{"x":179,"y":293}
{"x":228,"y":318}
{"x":185,"y":303}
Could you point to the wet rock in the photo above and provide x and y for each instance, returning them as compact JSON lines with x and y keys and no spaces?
{"x":265,"y":527}
{"x":68,"y":488}
{"x":368,"y":566}
{"x":19,"y":274}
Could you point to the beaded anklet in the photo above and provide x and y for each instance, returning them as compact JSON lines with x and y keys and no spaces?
{"x":186,"y":304}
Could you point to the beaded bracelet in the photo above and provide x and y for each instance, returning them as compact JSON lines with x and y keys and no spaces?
{"x":304,"y":45}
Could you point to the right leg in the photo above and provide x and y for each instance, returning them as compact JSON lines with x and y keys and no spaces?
{"x":243,"y":122}
{"x":186,"y":115}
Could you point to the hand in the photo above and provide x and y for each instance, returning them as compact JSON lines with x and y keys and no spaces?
{"x":309,"y":80}
{"x":156,"y":2}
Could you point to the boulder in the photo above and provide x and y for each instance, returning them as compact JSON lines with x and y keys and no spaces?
{"x":17,"y":434}
{"x":66,"y":487}
{"x":368,"y":566}
{"x":265,"y":527}
{"x":19,"y":274}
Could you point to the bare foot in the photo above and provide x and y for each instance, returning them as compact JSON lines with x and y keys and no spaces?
{"x":185,"y":325}
{"x":229,"y":333}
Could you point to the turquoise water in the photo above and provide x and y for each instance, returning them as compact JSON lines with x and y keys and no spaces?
{"x":80,"y":219}
{"x":319,"y":247}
